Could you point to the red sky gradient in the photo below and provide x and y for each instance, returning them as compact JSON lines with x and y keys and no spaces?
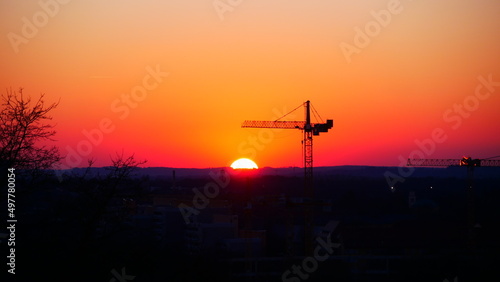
{"x":262,"y":57}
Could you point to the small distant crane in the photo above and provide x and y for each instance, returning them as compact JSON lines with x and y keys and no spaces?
{"x":471,"y":164}
{"x":468,"y":162}
{"x":309,"y":129}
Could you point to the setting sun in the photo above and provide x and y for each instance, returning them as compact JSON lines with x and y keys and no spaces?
{"x":244,"y":163}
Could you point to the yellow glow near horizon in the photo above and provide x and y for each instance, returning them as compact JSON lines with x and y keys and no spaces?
{"x":244,"y":163}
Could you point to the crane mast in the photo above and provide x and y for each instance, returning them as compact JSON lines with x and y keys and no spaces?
{"x":308,"y":183}
{"x":308,"y":154}
{"x":309,"y":129}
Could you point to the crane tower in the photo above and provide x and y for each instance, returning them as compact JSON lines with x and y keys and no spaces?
{"x":310,"y":130}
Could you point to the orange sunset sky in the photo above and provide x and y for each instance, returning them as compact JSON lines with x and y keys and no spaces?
{"x":387,"y":78}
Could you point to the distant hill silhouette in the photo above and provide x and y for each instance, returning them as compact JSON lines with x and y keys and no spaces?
{"x":358,"y":171}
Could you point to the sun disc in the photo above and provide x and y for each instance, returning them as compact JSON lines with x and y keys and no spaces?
{"x":244,"y":163}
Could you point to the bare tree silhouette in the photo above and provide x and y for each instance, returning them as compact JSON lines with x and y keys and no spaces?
{"x":23,"y":129}
{"x":122,"y":167}
{"x":107,"y":188}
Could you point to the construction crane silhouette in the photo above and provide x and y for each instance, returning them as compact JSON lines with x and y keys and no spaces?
{"x":309,"y":130}
{"x":468,"y":162}
{"x":471,"y":164}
